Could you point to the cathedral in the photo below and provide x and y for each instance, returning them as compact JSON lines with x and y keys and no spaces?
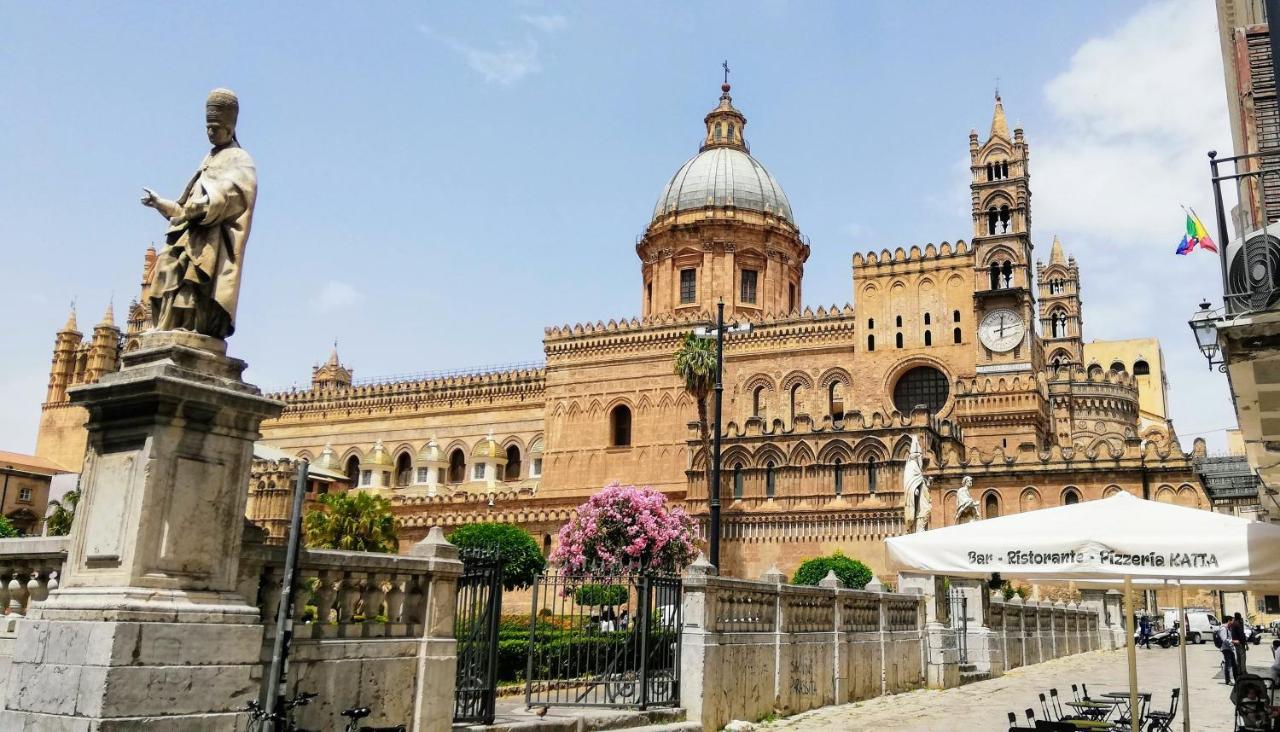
{"x":973,"y":347}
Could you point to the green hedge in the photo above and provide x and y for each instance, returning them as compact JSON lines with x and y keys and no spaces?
{"x":565,"y":654}
{"x":852,"y":573}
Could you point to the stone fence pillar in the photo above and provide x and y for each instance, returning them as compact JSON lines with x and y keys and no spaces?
{"x":437,"y":663}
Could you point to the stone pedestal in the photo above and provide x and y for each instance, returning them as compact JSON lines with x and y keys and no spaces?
{"x":147,"y":629}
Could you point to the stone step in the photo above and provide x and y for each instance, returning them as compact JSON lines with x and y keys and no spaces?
{"x":513,"y":717}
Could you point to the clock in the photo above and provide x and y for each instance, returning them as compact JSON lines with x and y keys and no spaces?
{"x":1001,"y":330}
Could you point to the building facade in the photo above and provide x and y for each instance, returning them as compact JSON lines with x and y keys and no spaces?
{"x":972,"y":346}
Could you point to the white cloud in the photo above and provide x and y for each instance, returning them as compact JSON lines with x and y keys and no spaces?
{"x":335,"y":295}
{"x":546,"y":23}
{"x":1134,"y":113}
{"x":506,"y":64}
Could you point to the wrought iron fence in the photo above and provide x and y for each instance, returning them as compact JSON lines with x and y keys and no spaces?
{"x":959,"y":602}
{"x":603,"y":639}
{"x":479,"y":609}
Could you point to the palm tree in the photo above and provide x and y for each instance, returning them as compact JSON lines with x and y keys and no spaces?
{"x":355,"y":521}
{"x":58,"y":523}
{"x":696,"y":365}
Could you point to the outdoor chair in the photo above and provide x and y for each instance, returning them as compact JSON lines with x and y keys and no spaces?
{"x":1158,"y":721}
{"x":1046,"y":725}
{"x":1075,"y":692}
{"x":1144,"y":700}
{"x":1057,"y":708}
{"x":1013,"y":723}
{"x":1045,"y":710}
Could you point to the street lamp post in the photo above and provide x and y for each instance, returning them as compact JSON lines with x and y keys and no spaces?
{"x":713,"y":489}
{"x":1204,"y":325}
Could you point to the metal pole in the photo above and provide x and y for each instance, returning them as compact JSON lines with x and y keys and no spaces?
{"x":1223,"y":236}
{"x":284,"y":615}
{"x":1131,"y":621}
{"x":1182,"y":653}
{"x":715,"y":445}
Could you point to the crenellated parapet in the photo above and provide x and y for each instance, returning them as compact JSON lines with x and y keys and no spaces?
{"x":914,"y":254}
{"x":517,"y":385}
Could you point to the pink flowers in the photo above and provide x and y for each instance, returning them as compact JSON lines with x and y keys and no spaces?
{"x":625,"y":527}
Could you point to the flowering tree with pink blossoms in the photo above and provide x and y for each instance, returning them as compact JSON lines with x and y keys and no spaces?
{"x":623,"y":528}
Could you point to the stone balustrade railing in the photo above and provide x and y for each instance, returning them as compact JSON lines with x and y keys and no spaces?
{"x":754,"y":647}
{"x":29,"y":570}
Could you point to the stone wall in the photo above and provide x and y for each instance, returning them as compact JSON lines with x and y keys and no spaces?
{"x":753,"y":647}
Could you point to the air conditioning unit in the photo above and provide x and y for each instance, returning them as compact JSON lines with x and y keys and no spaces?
{"x":1253,"y":271}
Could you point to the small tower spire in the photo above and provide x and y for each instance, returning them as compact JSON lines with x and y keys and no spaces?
{"x":71,"y":327}
{"x":1055,"y":253}
{"x":999,"y":124}
{"x":109,"y":317}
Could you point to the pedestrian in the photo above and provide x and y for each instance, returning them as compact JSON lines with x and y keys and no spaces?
{"x":1275,"y":663}
{"x":1144,"y":632}
{"x":1239,"y":641}
{"x":624,"y":619}
{"x":1222,"y":636}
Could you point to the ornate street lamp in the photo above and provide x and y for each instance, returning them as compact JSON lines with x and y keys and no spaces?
{"x":1204,"y":324}
{"x":714,"y":484}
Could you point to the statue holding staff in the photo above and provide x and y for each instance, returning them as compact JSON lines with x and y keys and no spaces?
{"x":197,"y":274}
{"x":915,"y":490}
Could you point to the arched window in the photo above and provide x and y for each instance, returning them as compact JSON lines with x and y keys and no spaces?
{"x":512,"y":471}
{"x":546,"y":545}
{"x":731,"y":131}
{"x":871,"y":475}
{"x":719,"y":132}
{"x":835,"y":400}
{"x":353,"y":471}
{"x":737,"y":480}
{"x":1004,"y":219}
{"x":922,"y":385}
{"x":898,"y":340}
{"x":794,"y":399}
{"x":457,"y":466}
{"x":1141,"y":368}
{"x":1058,"y":324}
{"x":770,"y":489}
{"x":838,"y":471}
{"x":955,"y":335}
{"x":758,"y":405}
{"x":404,"y":470}
{"x":926,"y":319}
{"x":620,"y":426}
{"x":991,"y":506}
{"x":1006,"y":273}
{"x":994,"y":272}
{"x":871,"y":323}
{"x":871,"y":343}
{"x":955,"y":316}
{"x":899,"y":320}
{"x":990,"y":172}
{"x":1070,"y":497}
{"x":1004,"y":168}
{"x":928,"y":338}
{"x":1117,"y":366}
{"x":993,"y":218}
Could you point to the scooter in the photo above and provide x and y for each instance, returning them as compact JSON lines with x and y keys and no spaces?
{"x":1167,"y":638}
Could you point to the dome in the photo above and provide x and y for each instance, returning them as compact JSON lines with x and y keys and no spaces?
{"x":723,"y":176}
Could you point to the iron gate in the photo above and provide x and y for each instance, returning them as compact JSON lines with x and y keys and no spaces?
{"x":475,"y":627}
{"x":605,"y":640}
{"x":960,"y":623}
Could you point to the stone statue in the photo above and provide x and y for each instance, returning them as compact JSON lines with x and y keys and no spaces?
{"x":197,"y":275}
{"x":915,"y":490}
{"x":966,"y":507}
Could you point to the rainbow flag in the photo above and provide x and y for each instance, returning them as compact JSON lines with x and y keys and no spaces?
{"x":1196,"y":236}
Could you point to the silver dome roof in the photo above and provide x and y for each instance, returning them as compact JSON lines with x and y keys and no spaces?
{"x":723,"y":176}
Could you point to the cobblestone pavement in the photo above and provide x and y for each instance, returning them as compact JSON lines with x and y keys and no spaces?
{"x":985,"y":705}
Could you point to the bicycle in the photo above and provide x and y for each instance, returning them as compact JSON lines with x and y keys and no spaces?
{"x":355,"y":714}
{"x":258,"y":716}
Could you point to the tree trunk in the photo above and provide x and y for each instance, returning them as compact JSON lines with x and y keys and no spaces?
{"x":704,"y":431}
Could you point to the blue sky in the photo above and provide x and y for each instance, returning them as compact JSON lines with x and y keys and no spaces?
{"x":439,"y":182}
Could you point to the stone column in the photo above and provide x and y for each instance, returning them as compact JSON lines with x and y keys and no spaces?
{"x":697,"y":614}
{"x":437,"y":664}
{"x":941,"y":672}
{"x":147,"y":628}
{"x":1113,"y":604}
{"x":1094,"y":602}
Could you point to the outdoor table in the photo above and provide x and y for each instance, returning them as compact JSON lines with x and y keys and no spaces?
{"x":1100,"y":707}
{"x":1088,"y":723}
{"x":1122,"y":697}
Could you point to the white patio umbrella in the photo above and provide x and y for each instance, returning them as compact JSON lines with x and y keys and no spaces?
{"x":1122,"y":538}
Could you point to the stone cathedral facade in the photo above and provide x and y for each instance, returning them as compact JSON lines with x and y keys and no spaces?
{"x":973,"y":346}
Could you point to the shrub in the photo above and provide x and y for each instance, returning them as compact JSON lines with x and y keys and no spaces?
{"x":852,"y":573}
{"x":625,"y":527}
{"x":7,"y":529}
{"x":600,"y":595}
{"x":356,"y":521}
{"x":521,"y":558}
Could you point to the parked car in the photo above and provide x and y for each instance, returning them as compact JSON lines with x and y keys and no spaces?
{"x":1201,"y":624}
{"x":1275,"y":628}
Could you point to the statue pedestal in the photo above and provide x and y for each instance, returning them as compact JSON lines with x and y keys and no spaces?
{"x":147,"y":629}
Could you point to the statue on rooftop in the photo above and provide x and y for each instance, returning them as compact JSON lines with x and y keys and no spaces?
{"x":197,"y":274}
{"x":966,"y":507}
{"x":915,"y":490}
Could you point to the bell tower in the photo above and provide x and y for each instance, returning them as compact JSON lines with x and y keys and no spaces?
{"x":1004,"y":301}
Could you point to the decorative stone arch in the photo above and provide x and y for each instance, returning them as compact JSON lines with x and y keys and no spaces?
{"x":770,"y":453}
{"x":797,"y":377}
{"x":835,"y":373}
{"x":643,"y":404}
{"x":902,"y":448}
{"x":1062,"y":356}
{"x":801,"y":455}
{"x":870,"y":448}
{"x":735,"y":455}
{"x":350,"y":452}
{"x":991,"y":500}
{"x":1188,"y":496}
{"x":835,"y":449}
{"x":949,"y":502}
{"x":305,"y":455}
{"x":1111,"y":490}
{"x":1029,"y":499}
{"x":1068,"y":493}
{"x":1165,"y":494}
{"x":870,"y":290}
{"x":999,"y":253}
{"x":995,"y":150}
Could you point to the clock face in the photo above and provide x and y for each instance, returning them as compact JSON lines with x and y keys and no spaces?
{"x":1001,"y":330}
